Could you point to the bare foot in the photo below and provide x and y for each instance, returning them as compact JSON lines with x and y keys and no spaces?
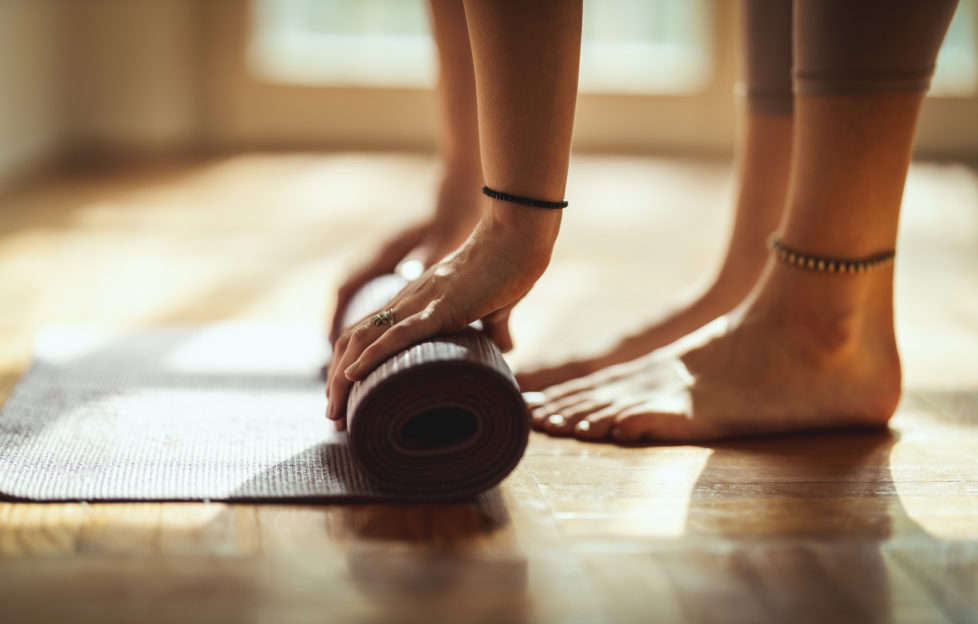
{"x":762,"y":174}
{"x":809,"y":351}
{"x":657,"y":332}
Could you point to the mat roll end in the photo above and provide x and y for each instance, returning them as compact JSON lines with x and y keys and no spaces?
{"x":442,"y":419}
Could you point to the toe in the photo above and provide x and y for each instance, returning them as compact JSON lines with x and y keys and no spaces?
{"x":633,"y":425}
{"x":625,"y":435}
{"x":553,"y":424}
{"x":597,"y":426}
{"x":558,"y":424}
{"x":636,"y":425}
{"x":568,"y":417}
{"x":541,"y":417}
{"x":534,"y":399}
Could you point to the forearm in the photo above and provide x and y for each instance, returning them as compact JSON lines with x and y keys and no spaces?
{"x":526,"y":57}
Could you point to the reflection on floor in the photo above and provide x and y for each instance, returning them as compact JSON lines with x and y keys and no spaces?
{"x":877,"y":526}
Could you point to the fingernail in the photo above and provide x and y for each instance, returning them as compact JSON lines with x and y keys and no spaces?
{"x":351,"y":370}
{"x":583,"y":426}
{"x":329,"y":410}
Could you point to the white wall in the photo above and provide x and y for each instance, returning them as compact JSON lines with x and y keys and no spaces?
{"x":31,"y":128}
{"x":86,"y":77}
{"x":131,"y":74}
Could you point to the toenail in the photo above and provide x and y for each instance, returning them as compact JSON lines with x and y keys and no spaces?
{"x":534,"y":398}
{"x":556,"y":420}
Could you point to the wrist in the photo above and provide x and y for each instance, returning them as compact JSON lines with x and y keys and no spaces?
{"x":530,"y":233}
{"x":459,"y":199}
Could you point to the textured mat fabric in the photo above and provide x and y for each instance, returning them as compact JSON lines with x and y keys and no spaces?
{"x":224,"y":411}
{"x":234,"y":411}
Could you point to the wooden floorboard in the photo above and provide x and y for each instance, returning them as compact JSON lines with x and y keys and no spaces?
{"x":863,"y":526}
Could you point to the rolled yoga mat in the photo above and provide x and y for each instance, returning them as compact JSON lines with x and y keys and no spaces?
{"x":443,"y":418}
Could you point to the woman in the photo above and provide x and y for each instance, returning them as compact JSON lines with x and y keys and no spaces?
{"x":812,"y":345}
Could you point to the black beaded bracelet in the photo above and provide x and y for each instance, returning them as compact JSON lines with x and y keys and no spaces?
{"x":526,"y":201}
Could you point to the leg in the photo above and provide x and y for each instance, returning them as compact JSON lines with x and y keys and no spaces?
{"x":525,"y":56}
{"x":458,"y":198}
{"x":763,"y":158}
{"x":808,"y":349}
{"x":457,"y":206}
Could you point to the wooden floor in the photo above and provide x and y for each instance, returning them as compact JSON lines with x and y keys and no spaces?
{"x":849,"y":527}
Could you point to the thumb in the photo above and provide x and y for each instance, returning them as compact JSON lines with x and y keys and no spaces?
{"x":496,"y":326}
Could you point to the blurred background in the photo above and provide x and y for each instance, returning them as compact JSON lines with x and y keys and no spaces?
{"x":92,"y":80}
{"x":172,"y":161}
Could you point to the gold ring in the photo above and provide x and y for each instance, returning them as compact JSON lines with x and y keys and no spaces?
{"x":384,"y":318}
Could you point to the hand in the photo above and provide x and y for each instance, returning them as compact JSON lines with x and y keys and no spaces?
{"x":390,"y":254}
{"x":483,"y":279}
{"x":425,"y":243}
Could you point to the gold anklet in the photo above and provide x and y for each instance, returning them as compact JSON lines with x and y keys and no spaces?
{"x":829,"y":265}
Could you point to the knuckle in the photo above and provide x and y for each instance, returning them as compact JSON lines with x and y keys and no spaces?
{"x":360,"y":333}
{"x":399,"y":331}
{"x":446,"y":316}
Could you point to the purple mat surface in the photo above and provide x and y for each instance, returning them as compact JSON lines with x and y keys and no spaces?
{"x":234,"y":411}
{"x":443,"y":418}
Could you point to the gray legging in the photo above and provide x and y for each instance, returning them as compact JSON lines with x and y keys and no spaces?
{"x":839,"y":46}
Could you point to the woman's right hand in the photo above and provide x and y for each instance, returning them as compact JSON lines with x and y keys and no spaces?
{"x":482,"y":280}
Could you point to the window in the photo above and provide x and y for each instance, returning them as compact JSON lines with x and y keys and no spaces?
{"x":343,"y":42}
{"x":644,"y":46}
{"x":630,"y":46}
{"x":957,"y":63}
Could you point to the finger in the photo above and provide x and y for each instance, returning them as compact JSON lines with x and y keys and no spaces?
{"x":343,"y":296}
{"x":339,"y":392}
{"x":352,"y":285}
{"x":496,"y":326}
{"x":337,"y":389}
{"x":385,"y":261}
{"x":356,"y":338}
{"x":335,"y":325}
{"x":338,"y":350}
{"x":397,"y":338}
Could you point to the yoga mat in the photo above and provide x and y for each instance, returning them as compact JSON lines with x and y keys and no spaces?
{"x":234,"y":411}
{"x":442,"y":418}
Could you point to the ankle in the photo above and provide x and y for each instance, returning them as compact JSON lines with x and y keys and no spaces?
{"x":830,"y":317}
{"x":739,"y":274}
{"x":461,"y":174}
